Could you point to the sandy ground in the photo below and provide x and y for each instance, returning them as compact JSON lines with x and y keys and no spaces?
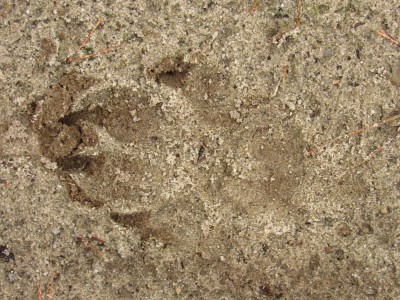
{"x":178,"y":166}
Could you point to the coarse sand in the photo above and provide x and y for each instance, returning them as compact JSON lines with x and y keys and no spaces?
{"x":207,"y":149}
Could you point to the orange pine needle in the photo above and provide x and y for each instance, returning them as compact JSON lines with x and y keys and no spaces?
{"x":50,"y":295}
{"x":99,"y":21}
{"x":87,"y":245}
{"x":391,"y":39}
{"x":40,"y":296}
{"x":291,"y":27}
{"x":316,"y":149}
{"x":252,"y":7}
{"x":73,"y":58}
{"x":285,"y":72}
{"x":7,"y":9}
{"x":298,"y":12}
{"x":371,"y":155}
{"x":96,"y":54}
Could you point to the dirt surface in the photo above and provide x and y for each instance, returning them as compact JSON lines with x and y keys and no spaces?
{"x":195,"y":162}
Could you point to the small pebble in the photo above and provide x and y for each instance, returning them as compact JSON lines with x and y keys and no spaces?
{"x":328,"y":53}
{"x":383,"y":210}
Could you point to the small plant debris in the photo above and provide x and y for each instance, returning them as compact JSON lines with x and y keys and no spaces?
{"x":92,"y":243}
{"x":202,"y":154}
{"x":6,"y":254}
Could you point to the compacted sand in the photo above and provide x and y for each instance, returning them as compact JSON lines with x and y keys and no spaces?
{"x":207,"y":153}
